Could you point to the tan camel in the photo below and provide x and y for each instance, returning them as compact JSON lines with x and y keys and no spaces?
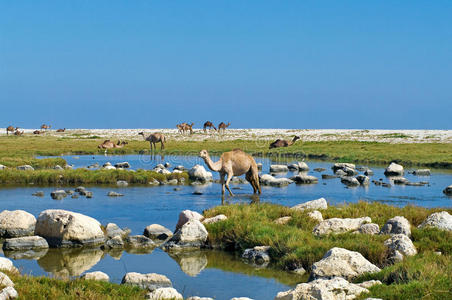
{"x":223,"y":126}
{"x":155,"y":138}
{"x":107,"y":144}
{"x":61,"y":130}
{"x":210,"y":125}
{"x":120,"y":144}
{"x":9,"y":128}
{"x":45,"y":127}
{"x":188,"y":127}
{"x":283,"y":143}
{"x":180,"y":127}
{"x":234,"y":163}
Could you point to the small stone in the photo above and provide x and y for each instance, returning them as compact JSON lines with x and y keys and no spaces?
{"x":114,"y":194}
{"x":97,"y":275}
{"x":38,"y":194}
{"x":316,"y":215}
{"x":283,"y":220}
{"x":149,"y":281}
{"x":139,"y":241}
{"x":215,"y":219}
{"x":164,"y":294}
{"x":258,"y":254}
{"x":318,"y":204}
{"x":58,"y":194}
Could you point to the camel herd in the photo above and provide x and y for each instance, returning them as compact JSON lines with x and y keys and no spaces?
{"x":188,"y":128}
{"x":44,"y":128}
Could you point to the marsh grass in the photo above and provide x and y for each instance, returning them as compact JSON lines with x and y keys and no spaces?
{"x":30,"y":287}
{"x":293,"y":245}
{"x":16,"y":150}
{"x":83,"y":176}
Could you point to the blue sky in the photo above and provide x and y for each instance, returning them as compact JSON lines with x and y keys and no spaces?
{"x":256,"y":64}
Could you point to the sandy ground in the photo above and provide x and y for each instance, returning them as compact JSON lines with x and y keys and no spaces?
{"x":391,"y":136}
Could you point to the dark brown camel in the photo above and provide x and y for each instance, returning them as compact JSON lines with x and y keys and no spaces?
{"x":37,"y":132}
{"x":61,"y":130}
{"x":17,"y":132}
{"x":223,"y":126}
{"x":45,"y":127}
{"x":8,"y":129}
{"x":283,"y":143}
{"x":210,"y":125}
{"x":155,"y":138}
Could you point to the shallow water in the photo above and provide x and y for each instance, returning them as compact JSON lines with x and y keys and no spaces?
{"x":205,"y":273}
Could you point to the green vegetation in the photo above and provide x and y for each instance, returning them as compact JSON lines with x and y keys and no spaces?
{"x":30,"y":287}
{"x":16,"y":151}
{"x":83,"y":176}
{"x":395,"y":135}
{"x":293,"y":245}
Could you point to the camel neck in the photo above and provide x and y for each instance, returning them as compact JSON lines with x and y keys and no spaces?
{"x":214,"y":166}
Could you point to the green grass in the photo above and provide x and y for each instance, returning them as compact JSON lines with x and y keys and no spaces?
{"x":293,"y":245}
{"x":37,"y":288}
{"x":15,"y":151}
{"x":82,"y":176}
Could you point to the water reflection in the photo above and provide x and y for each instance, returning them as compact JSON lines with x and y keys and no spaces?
{"x":190,"y":262}
{"x":66,"y":263}
{"x":27,"y":254}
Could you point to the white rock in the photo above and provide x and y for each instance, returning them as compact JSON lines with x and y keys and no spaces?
{"x":316,"y":215}
{"x":156,"y":231}
{"x":304,"y":179}
{"x":441,"y":220}
{"x":241,"y":298}
{"x":5,"y":280}
{"x":343,"y":263}
{"x":7,"y":264}
{"x":215,"y":219}
{"x":258,"y":254}
{"x":199,"y":173}
{"x":402,"y":244}
{"x":62,"y":228}
{"x":25,"y":168}
{"x":187,"y":215}
{"x":8,"y":293}
{"x":267,"y":179}
{"x":150,"y":281}
{"x":164,"y":294}
{"x":199,"y":298}
{"x":371,"y":228}
{"x":394,"y":170}
{"x":397,"y":225}
{"x":192,"y":234}
{"x":278,"y":169}
{"x":283,"y":220}
{"x":448,"y":190}
{"x":369,"y":283}
{"x":336,"y":288}
{"x":25,"y":243}
{"x":16,"y":223}
{"x":337,"y":225}
{"x":350,"y":181}
{"x":312,"y":205}
{"x":340,"y":166}
{"x":97,"y":275}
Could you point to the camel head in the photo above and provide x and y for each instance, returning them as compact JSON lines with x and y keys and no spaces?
{"x":204,"y":154}
{"x":296,"y":138}
{"x":141,"y":133}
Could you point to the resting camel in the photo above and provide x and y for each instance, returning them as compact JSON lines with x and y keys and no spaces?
{"x":37,"y":132}
{"x":120,"y":144}
{"x":107,"y":144}
{"x":210,"y":125}
{"x":10,"y":128}
{"x":234,"y":163}
{"x":61,"y":130}
{"x":155,"y":138}
{"x":223,"y":126}
{"x":283,"y":143}
{"x":45,"y":127}
{"x":17,"y":132}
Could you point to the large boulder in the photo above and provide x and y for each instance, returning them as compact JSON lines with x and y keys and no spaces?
{"x":191,"y":235}
{"x":448,"y":190}
{"x":399,"y":246}
{"x":199,"y":173}
{"x":25,"y":243}
{"x":304,"y":179}
{"x":278,"y":168}
{"x":337,"y":225}
{"x":394,"y":170}
{"x":97,"y":275}
{"x":343,"y":263}
{"x":441,"y":220}
{"x":149,"y":281}
{"x":311,"y":205}
{"x":267,"y":179}
{"x":62,"y":228}
{"x":397,"y":225}
{"x":167,"y":293}
{"x":258,"y":255}
{"x":16,"y":223}
{"x":187,"y":215}
{"x":336,"y":288}
{"x":157,"y":232}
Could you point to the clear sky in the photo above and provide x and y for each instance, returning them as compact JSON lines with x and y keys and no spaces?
{"x":256,"y":64}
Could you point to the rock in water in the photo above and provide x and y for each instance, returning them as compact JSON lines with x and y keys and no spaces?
{"x":187,"y":215}
{"x":448,"y":190}
{"x":394,"y":170}
{"x":343,"y":263}
{"x":199,"y":173}
{"x":16,"y":223}
{"x":62,"y":228}
{"x":304,"y":179}
{"x":278,"y":169}
{"x":259,"y":254}
{"x":149,"y":281}
{"x":156,"y":231}
{"x":191,"y":235}
{"x":25,"y":243}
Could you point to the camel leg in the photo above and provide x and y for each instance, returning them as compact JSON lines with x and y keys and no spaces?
{"x":222,"y":182}
{"x":162,"y":146}
{"x":250,"y":179}
{"x":227,"y":183}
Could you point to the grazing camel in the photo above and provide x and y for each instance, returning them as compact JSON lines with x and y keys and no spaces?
{"x":283,"y":143}
{"x":180,"y":128}
{"x":210,"y":125}
{"x":45,"y":127}
{"x":17,"y":132}
{"x":234,"y":163}
{"x":188,"y":127}
{"x":61,"y":130}
{"x":223,"y":126}
{"x":155,"y":138}
{"x":8,"y":129}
